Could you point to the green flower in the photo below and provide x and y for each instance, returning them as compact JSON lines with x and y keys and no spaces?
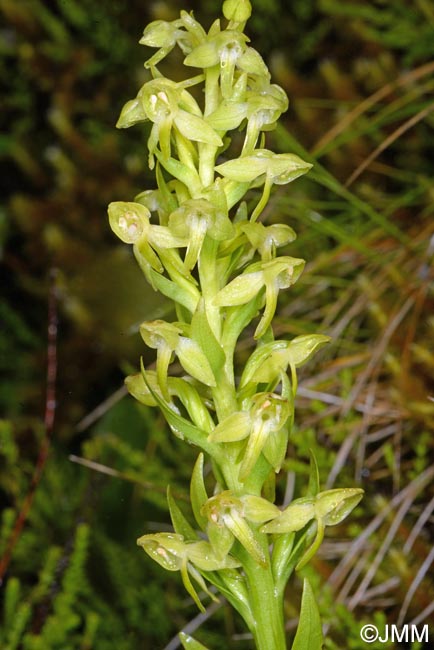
{"x":327,"y":508}
{"x":264,"y":107}
{"x":174,"y":554}
{"x":272,"y":359}
{"x":165,"y":35}
{"x":277,"y":274}
{"x":264,"y":166}
{"x":185,"y":32}
{"x":224,"y":49}
{"x":261,"y":108}
{"x":237,"y":10}
{"x":170,"y":108}
{"x":264,"y":420}
{"x":130,"y":221}
{"x":227,"y":520}
{"x":166,"y":339}
{"x":194,"y":220}
{"x":266,"y":239}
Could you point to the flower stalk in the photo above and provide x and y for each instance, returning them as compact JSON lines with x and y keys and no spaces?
{"x":202,"y":245}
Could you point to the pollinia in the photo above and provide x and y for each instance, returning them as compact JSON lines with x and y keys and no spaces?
{"x":204,"y":247}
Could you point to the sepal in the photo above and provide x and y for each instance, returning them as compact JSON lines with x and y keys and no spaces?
{"x":167,"y":549}
{"x":225,"y":45}
{"x":241,"y":290}
{"x":129,"y":220}
{"x":257,"y":509}
{"x":132,"y":113}
{"x":234,"y":427}
{"x":180,"y":523}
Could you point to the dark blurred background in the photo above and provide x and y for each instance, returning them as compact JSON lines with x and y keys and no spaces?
{"x":359,"y":76}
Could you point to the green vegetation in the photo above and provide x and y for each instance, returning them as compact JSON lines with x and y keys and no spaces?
{"x":364,"y":405}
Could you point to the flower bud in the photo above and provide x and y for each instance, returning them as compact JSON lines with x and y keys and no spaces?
{"x":237,"y":10}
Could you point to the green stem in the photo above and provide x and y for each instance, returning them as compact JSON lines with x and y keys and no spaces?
{"x":265,"y":604}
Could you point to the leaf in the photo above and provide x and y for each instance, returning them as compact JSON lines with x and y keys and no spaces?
{"x":180,"y":523}
{"x":179,"y":425}
{"x":198,"y":495}
{"x":203,"y":334}
{"x":191,"y":400}
{"x":189,"y":643}
{"x":174,"y":292}
{"x":194,"y":361}
{"x":309,"y":632}
{"x":313,"y":487}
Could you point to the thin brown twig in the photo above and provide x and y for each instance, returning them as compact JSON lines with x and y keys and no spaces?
{"x":375,"y":563}
{"x":378,"y":353}
{"x":388,"y":141}
{"x":366,"y":104}
{"x":414,"y":585}
{"x":110,"y":471}
{"x":345,"y":566}
{"x":50,"y":409}
{"x":101,"y":409}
